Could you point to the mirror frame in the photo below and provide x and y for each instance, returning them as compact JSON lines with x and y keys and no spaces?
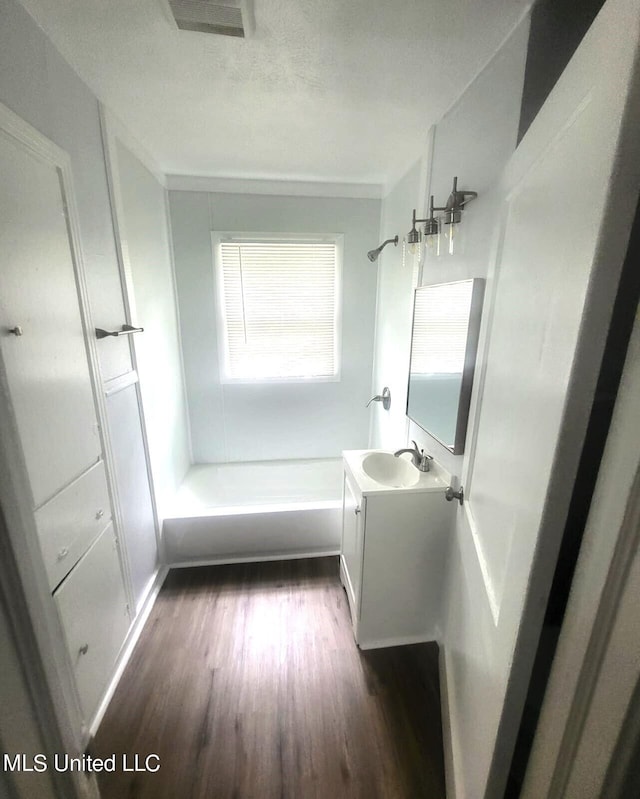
{"x":468,"y":370}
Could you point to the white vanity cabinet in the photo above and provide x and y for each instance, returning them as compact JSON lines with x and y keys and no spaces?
{"x":393,"y":555}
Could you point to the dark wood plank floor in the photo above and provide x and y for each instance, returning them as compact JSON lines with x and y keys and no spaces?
{"x":247,"y":683}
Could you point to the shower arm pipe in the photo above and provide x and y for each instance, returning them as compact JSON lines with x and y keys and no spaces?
{"x":372,"y":255}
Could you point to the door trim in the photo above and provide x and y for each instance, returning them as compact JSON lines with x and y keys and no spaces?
{"x":110,"y":131}
{"x":595,"y":603}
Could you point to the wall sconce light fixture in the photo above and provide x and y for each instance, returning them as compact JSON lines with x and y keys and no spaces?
{"x":452,"y":217}
{"x":431,"y":229}
{"x":453,"y":210}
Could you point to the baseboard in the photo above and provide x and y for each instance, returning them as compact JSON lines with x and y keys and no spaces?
{"x":155,"y":584}
{"x":403,"y":640}
{"x":257,"y":558}
{"x":447,"y":728}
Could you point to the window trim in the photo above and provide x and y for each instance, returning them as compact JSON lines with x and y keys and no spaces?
{"x":220,"y":236}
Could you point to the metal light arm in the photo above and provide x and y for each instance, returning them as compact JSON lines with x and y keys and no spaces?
{"x":456,"y":202}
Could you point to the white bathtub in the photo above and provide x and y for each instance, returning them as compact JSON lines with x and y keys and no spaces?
{"x":227,"y":513}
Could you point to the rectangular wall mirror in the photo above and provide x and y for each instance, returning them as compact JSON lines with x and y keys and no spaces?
{"x":444,"y":343}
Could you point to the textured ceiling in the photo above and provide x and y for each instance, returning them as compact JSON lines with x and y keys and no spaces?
{"x":332,"y":90}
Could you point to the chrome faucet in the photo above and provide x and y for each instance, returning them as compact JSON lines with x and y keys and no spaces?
{"x":419,"y":457}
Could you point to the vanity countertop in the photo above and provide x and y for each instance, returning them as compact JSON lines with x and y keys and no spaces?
{"x":437,"y":479}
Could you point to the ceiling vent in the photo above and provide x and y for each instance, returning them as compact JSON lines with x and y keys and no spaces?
{"x":226,"y":18}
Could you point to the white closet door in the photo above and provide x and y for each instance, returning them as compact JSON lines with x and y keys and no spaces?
{"x":47,"y":388}
{"x":136,"y":507}
{"x":128,"y":435}
{"x":45,"y":357}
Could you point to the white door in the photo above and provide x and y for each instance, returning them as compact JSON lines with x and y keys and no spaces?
{"x":42,"y":339}
{"x":569,"y":193}
{"x":140,"y":523}
{"x":54,"y":484}
{"x":134,"y":493}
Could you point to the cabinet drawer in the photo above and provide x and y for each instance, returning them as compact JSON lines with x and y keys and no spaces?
{"x":93,"y":609}
{"x":69,"y":522}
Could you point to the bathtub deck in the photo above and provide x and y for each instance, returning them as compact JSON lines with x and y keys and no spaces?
{"x":211,"y":487}
{"x":229,"y":513}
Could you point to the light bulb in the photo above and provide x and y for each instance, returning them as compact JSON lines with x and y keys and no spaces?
{"x":451,"y":236}
{"x":413,"y":247}
{"x":433,"y":242}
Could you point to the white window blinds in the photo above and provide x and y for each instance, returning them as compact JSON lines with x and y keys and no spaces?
{"x":279,"y":308}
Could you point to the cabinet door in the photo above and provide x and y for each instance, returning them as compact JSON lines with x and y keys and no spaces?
{"x":93,"y":609}
{"x":353,"y":510}
{"x":41,"y":335}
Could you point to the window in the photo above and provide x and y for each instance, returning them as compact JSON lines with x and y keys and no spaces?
{"x":278,"y":306}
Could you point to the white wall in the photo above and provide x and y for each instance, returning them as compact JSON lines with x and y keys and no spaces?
{"x":473,"y":141}
{"x":274,"y":421}
{"x":146,"y":241}
{"x":397,"y":270}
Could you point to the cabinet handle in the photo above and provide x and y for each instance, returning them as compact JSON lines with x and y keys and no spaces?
{"x":357,"y":510}
{"x":100,"y":514}
{"x":62,"y":554}
{"x":83,"y":649}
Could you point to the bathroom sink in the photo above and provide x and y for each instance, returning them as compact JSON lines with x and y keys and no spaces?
{"x":386,"y":469}
{"x":378,"y":471}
